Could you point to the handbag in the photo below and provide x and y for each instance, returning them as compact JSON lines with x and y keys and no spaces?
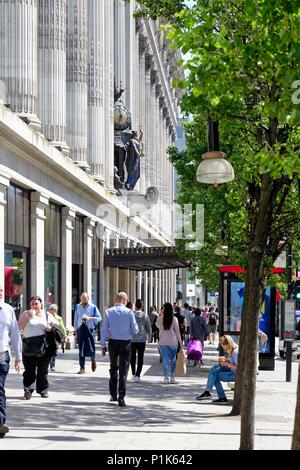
{"x":34,"y":346}
{"x":180,"y":364}
{"x":194,"y":350}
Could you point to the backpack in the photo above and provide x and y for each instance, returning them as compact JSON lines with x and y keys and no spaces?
{"x":212,"y":319}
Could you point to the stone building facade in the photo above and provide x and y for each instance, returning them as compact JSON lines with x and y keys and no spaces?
{"x":60,"y":62}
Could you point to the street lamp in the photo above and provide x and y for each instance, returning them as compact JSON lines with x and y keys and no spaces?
{"x":214,"y":168}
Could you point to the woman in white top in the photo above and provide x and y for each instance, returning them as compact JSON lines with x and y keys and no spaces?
{"x":33,"y":323}
{"x":169,"y":338}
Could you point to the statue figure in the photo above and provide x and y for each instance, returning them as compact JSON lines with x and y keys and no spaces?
{"x":134,"y":151}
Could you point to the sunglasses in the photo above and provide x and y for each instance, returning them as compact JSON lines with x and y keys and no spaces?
{"x":225,"y":342}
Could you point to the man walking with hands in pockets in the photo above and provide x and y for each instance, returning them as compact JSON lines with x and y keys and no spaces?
{"x":118,"y":328}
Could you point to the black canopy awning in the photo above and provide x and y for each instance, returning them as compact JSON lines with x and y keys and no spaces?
{"x":144,"y":258}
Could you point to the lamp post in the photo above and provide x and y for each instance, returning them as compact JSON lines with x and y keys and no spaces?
{"x":214,"y":168}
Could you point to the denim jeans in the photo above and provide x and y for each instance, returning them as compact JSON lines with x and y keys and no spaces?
{"x":218,"y":374}
{"x":4,"y":367}
{"x":168,"y":358}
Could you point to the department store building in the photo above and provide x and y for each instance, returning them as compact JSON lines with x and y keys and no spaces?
{"x":72,"y":72}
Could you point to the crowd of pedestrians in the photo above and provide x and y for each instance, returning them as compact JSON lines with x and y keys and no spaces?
{"x":124,"y":333}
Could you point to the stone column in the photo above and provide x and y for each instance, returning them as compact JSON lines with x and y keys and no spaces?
{"x":18,"y":58}
{"x":132,"y":286}
{"x":139,"y":285}
{"x":155,"y":280}
{"x":39,"y":203}
{"x":52,"y":86}
{"x":107,"y":300}
{"x":67,"y":221}
{"x":159,"y":290}
{"x":145,"y":293}
{"x":184,"y":284}
{"x":96,"y":142}
{"x":77,"y":87}
{"x":89,"y":226}
{"x":109,"y":92}
{"x":4,"y":183}
{"x":150,"y":296}
{"x":102,"y":289}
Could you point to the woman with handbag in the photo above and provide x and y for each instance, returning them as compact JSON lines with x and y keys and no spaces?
{"x":169,"y":337}
{"x":34,"y":324}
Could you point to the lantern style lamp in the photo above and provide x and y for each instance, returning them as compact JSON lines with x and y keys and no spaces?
{"x":214,"y":168}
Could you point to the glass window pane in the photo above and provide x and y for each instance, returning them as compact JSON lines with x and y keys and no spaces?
{"x":15,"y":280}
{"x":51,"y":283}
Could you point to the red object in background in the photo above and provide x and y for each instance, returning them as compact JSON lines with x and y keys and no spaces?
{"x":238,"y":269}
{"x":231,"y":269}
{"x":11,"y":289}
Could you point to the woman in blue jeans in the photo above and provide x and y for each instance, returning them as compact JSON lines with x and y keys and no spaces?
{"x":224,"y":372}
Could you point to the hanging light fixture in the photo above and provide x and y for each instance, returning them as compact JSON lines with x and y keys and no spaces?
{"x":214,"y":168}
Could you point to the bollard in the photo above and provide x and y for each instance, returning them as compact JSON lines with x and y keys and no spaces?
{"x":288,"y":360}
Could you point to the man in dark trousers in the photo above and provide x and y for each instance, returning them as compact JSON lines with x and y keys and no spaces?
{"x":87,"y":315}
{"x":9,"y":335}
{"x":118,"y":328}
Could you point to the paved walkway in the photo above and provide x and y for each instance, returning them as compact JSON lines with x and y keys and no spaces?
{"x":78,"y":415}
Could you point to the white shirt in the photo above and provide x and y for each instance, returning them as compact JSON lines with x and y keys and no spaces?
{"x":36,"y":325}
{"x":9,"y":331}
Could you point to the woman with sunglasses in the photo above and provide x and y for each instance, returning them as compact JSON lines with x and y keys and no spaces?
{"x":36,"y":322}
{"x":224,"y":372}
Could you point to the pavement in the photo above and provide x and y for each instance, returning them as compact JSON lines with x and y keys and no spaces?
{"x":78,"y":415}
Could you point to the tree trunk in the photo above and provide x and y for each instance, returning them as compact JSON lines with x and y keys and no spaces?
{"x":253,"y":292}
{"x":253,"y":299}
{"x":296,"y":433}
{"x":238,"y":386}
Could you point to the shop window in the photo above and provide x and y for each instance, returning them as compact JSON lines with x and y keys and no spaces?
{"x":15,"y":279}
{"x":51,"y":295}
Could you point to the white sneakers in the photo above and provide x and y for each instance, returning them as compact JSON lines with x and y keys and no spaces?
{"x":166,"y":381}
{"x":137,"y":380}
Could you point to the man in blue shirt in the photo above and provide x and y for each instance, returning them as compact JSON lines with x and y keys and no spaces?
{"x":9,"y":334}
{"x":87,"y":314}
{"x":118,"y":328}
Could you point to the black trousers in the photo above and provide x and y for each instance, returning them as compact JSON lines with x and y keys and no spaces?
{"x":138,"y":348}
{"x":36,"y":369}
{"x":119,"y":354}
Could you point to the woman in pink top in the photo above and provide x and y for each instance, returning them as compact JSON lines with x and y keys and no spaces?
{"x":169,"y":337}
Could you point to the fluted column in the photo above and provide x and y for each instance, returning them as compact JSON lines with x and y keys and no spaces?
{"x":77,"y":87}
{"x":52,"y":71}
{"x":145,"y":293}
{"x":4,"y":183}
{"x":96,"y":143}
{"x":38,"y":205}
{"x":109,"y":92}
{"x":89,"y":226}
{"x":150,"y":296}
{"x":18,"y":58}
{"x":67,"y":224}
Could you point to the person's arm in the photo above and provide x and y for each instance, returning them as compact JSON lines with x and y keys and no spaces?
{"x":24,"y":318}
{"x":104,"y":334}
{"x":16,"y":341}
{"x":133,"y":324}
{"x":192,"y":328}
{"x":148,"y":327}
{"x":61,"y":326}
{"x":75,"y":318}
{"x":177,"y":332}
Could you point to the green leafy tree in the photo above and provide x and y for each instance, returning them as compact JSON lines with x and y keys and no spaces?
{"x":243,"y":68}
